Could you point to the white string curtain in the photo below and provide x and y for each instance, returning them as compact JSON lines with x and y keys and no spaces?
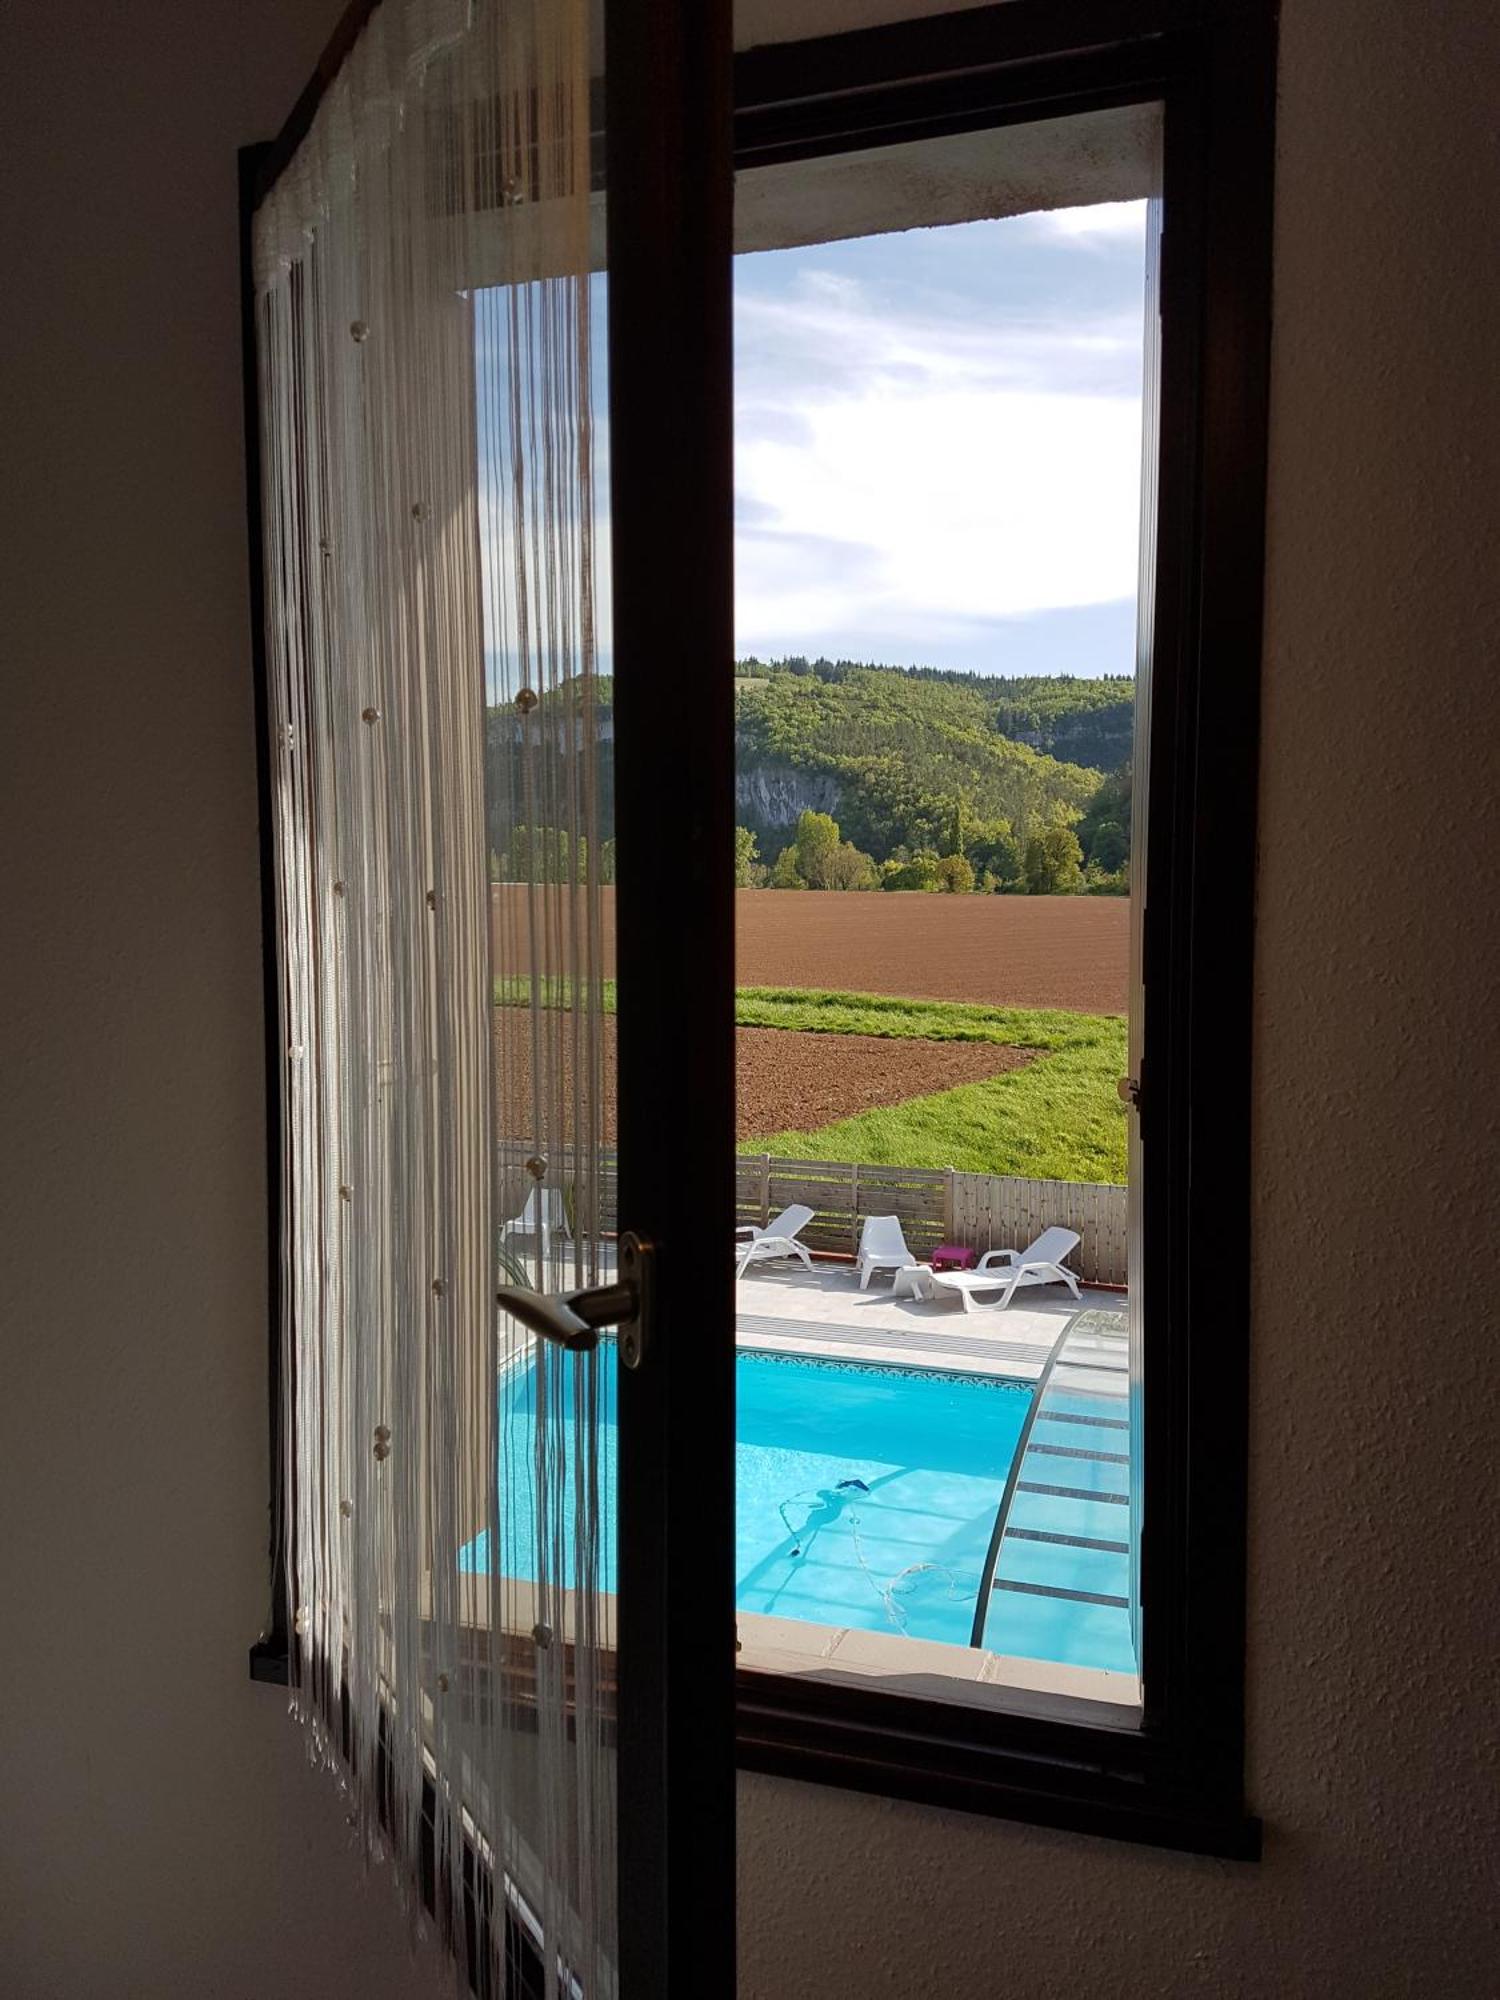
{"x":428,"y":388}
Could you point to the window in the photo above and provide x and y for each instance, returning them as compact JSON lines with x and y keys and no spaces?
{"x":940,"y":392}
{"x":1059,"y":82}
{"x":899,"y":127}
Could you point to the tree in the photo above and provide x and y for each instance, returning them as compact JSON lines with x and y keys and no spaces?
{"x":786,"y":874}
{"x":1054,"y":863}
{"x":1109,"y":847}
{"x":817,"y":843}
{"x":847,"y":868}
{"x":1066,"y":859}
{"x":919,"y":871}
{"x":962,"y":826}
{"x":821,"y":859}
{"x":744,"y":857}
{"x":955,"y":875}
{"x":550,"y":854}
{"x":1035,"y":867}
{"x":996,"y":853}
{"x":540,"y":854}
{"x":1108,"y":808}
{"x":1097,"y":883}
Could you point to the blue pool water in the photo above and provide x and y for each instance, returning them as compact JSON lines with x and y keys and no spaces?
{"x":865,"y":1496}
{"x":903,"y":1549}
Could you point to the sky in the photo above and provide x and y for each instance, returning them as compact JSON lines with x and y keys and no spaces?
{"x":937,"y":448}
{"x":937,"y":445}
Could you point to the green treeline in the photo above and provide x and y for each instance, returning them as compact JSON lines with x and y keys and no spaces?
{"x":851,"y":776}
{"x":932,"y":792}
{"x":549,"y":854}
{"x":1077,"y":720}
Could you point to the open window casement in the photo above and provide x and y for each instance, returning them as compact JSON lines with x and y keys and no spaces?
{"x":430,"y":338}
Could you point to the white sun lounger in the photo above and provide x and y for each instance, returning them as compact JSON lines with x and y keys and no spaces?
{"x":1003,"y":1271}
{"x":777,"y":1239}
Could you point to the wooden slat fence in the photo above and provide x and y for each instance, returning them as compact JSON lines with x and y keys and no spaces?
{"x":517,"y":1180}
{"x":1001,"y":1212}
{"x":841,"y":1195}
{"x":934,"y":1204}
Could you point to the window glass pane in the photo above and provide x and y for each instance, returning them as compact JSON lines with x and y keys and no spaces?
{"x":944,"y":432}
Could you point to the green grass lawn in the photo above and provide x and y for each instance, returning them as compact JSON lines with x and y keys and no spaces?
{"x":1060,"y":1118}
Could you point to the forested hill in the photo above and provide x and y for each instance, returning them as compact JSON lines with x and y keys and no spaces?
{"x":1082,"y":722}
{"x":916,"y":765}
{"x":1079,"y":721}
{"x":901,"y":756}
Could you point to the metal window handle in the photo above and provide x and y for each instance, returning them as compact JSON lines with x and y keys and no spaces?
{"x":1130,"y":1091}
{"x":573,"y":1319}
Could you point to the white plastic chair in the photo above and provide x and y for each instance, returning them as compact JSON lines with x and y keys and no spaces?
{"x":777,"y":1239}
{"x":544,"y":1214}
{"x":882,"y":1247}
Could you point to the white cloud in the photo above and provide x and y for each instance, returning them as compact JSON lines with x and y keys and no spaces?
{"x":1115,"y":221}
{"x":949,"y":505}
{"x":907,"y":471}
{"x":942,"y":434}
{"x":833,"y":335}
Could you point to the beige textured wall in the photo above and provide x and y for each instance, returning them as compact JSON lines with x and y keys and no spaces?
{"x":1374,"y":1617}
{"x":159,"y":1835}
{"x":160,"y":1832}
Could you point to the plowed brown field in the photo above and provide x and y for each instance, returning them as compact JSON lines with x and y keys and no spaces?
{"x":787,"y":1080}
{"x":998,"y":951}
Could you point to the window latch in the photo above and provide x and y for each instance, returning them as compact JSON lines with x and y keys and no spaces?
{"x":573,"y":1319}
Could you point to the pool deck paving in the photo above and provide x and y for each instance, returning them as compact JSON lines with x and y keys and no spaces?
{"x":787,"y":1309}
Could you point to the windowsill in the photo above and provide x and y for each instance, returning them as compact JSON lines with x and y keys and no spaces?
{"x":863,"y":1733}
{"x":930,"y":1670}
{"x":951,"y":1726}
{"x":1040,"y":1757}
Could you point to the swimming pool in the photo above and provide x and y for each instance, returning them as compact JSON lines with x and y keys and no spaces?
{"x":866,"y":1496}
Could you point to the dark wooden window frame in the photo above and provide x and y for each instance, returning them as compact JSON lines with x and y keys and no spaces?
{"x":1176,"y":1778}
